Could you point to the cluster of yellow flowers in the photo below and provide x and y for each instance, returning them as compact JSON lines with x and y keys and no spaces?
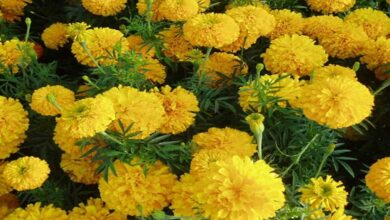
{"x":223,"y":182}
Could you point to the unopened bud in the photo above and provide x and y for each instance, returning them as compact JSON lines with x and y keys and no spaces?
{"x":255,"y":121}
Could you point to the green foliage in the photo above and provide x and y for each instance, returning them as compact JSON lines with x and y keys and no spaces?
{"x":366,"y":206}
{"x":125,"y":147}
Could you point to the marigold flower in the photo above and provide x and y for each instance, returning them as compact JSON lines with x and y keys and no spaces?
{"x":137,"y":44}
{"x":238,"y":188}
{"x":182,"y":196}
{"x":375,"y":23}
{"x":220,"y":63}
{"x":336,"y":102}
{"x":328,"y":7}
{"x":8,"y":203}
{"x":100,"y":42}
{"x":135,"y":189}
{"x":80,"y":169}
{"x":13,"y":53}
{"x":256,"y":3}
{"x":45,"y":99}
{"x":130,"y":107}
{"x":55,"y":36}
{"x":4,"y":187}
{"x":175,"y":45}
{"x":13,"y":126}
{"x":36,"y":211}
{"x":348,"y":41}
{"x":285,"y":87}
{"x":339,"y":215}
{"x":104,"y":7}
{"x":297,"y":55}
{"x":233,"y":141}
{"x":155,"y":15}
{"x":377,"y":54}
{"x":178,"y":10}
{"x":332,"y":71}
{"x":76,"y":30}
{"x":86,"y":117}
{"x":253,"y":22}
{"x":26,"y":173}
{"x":180,"y":107}
{"x":377,"y":179}
{"x":287,"y":22}
{"x":13,"y":9}
{"x":324,"y":193}
{"x":321,"y":26}
{"x":94,"y":209}
{"x":211,"y":30}
{"x":203,"y":160}
{"x":153,"y":71}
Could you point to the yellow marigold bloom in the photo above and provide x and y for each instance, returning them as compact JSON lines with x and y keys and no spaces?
{"x":297,"y":55}
{"x":153,"y":71}
{"x":328,"y":7}
{"x":104,"y":7}
{"x":180,"y":107}
{"x":94,"y":209}
{"x":233,"y":141}
{"x":211,"y":30}
{"x":80,"y":169}
{"x":339,"y":215}
{"x":137,"y":44}
{"x":182,"y":197}
{"x":318,"y":26}
{"x":238,"y":188}
{"x":155,"y":15}
{"x":100,"y":42}
{"x":324,"y":193}
{"x":285,"y":87}
{"x":44,"y":99}
{"x":8,"y":203}
{"x":336,"y":102}
{"x":348,"y":41}
{"x":226,"y":64}
{"x":375,"y":23}
{"x":76,"y":30}
{"x":13,"y":53}
{"x":253,"y":22}
{"x":178,"y":10}
{"x":143,"y":111}
{"x":135,"y":189}
{"x":332,"y":71}
{"x":26,"y":173}
{"x":55,"y":36}
{"x":4,"y":187}
{"x":287,"y":22}
{"x":175,"y":45}
{"x":238,"y":3}
{"x":36,"y":211}
{"x":13,"y":9}
{"x":377,"y":54}
{"x":86,"y":117}
{"x":13,"y":126}
{"x":203,"y":160}
{"x":377,"y":179}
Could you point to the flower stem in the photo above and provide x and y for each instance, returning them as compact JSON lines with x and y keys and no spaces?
{"x":259,"y":140}
{"x":53,"y":101}
{"x":84,"y":46}
{"x":296,"y":161}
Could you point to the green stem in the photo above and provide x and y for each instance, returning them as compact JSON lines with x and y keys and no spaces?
{"x":299,"y":155}
{"x":202,"y":66}
{"x":259,"y":140}
{"x":28,"y":23}
{"x":84,"y":46}
{"x":322,"y":164}
{"x":111,"y":137}
{"x":53,"y":101}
